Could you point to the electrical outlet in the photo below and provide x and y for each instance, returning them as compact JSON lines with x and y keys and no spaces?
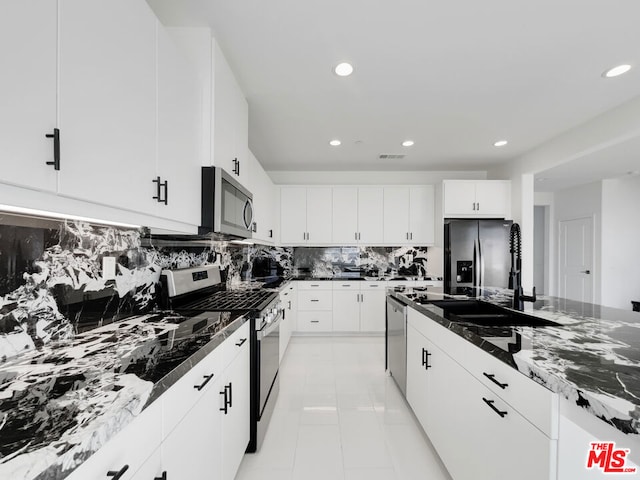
{"x":109,"y":268}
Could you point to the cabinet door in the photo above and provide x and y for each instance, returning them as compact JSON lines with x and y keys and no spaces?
{"x":179,"y":113}
{"x":28,"y":55}
{"x":262,"y":188}
{"x":372,"y":308}
{"x":224,"y":112}
{"x":417,"y":376}
{"x":396,"y":215}
{"x":319,"y":208}
{"x":200,"y":431}
{"x":493,"y":198}
{"x":293,"y":215}
{"x":421,"y":215}
{"x":370,"y":217}
{"x":459,"y":197}
{"x":241,"y":133}
{"x":346,"y":311}
{"x":235,"y":420}
{"x":107,"y":101}
{"x":345,"y":215}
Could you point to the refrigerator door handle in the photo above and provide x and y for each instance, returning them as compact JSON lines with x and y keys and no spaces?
{"x":480,"y":265}
{"x":475,"y":263}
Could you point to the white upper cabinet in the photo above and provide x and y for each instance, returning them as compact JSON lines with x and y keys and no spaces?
{"x":28,"y":55}
{"x":264,"y":196}
{"x":107,"y":102}
{"x":476,"y":198}
{"x":409,"y":215}
{"x":179,"y":114}
{"x":230,"y":120}
{"x":305,"y":215}
{"x":357,"y":215}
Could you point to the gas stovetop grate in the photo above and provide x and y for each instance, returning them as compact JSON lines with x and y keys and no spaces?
{"x":236,"y":300}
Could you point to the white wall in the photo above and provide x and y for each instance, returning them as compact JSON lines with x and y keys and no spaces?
{"x":546,"y":200}
{"x":581,"y":202}
{"x":620,"y":242}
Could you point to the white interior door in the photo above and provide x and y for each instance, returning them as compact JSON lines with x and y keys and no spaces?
{"x":576,"y":259}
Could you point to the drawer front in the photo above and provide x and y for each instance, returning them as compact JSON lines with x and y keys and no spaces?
{"x":315,"y":285}
{"x":320,"y":300}
{"x":233,"y":345}
{"x":315,"y":322}
{"x":536,"y":403}
{"x":373,"y":286}
{"x":338,"y":285}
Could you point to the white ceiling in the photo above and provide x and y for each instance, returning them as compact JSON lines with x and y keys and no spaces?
{"x":452,"y":75}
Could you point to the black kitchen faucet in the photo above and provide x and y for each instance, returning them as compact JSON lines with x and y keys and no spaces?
{"x":515,"y":275}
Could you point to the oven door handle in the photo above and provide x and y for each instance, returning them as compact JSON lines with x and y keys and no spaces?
{"x":267,"y":329}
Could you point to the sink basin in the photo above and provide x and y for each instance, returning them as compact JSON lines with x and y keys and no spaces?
{"x":482,"y":313}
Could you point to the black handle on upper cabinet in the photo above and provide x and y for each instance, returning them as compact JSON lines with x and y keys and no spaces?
{"x":270,"y":233}
{"x":207,"y":379}
{"x":160,"y":186}
{"x":230,"y":386}
{"x":492,"y":406}
{"x":236,"y":166}
{"x":163,"y":477}
{"x":425,"y":358}
{"x":118,"y":474}
{"x":492,"y":377}
{"x":241,"y":342}
{"x":56,"y":148}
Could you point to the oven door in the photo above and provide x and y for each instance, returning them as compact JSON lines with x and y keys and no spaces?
{"x":268,"y":362}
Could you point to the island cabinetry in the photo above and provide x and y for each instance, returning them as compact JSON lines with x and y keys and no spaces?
{"x":476,"y":198}
{"x":305,"y":215}
{"x":461,"y":412}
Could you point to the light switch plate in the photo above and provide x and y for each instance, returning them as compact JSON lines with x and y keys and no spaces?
{"x":109,"y":268}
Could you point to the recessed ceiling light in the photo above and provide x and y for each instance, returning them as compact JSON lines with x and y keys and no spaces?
{"x":500,"y":143}
{"x":343,"y":69}
{"x":615,"y":71}
{"x":335,"y":143}
{"x":408,"y":143}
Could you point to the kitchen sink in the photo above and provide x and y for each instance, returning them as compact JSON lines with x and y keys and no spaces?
{"x":483,"y":313}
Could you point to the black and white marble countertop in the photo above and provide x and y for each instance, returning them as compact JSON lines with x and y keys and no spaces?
{"x":59,"y":404}
{"x":383,"y":278}
{"x":592,"y":358}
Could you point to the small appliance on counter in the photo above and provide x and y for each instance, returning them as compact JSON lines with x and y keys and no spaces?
{"x":193,"y":291}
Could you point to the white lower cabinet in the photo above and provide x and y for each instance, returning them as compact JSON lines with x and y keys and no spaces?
{"x":477,"y":433}
{"x":358,"y":306}
{"x":288,"y":297}
{"x":197,"y":430}
{"x":346,"y":310}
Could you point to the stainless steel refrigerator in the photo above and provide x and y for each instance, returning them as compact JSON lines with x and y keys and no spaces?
{"x":476,"y":254}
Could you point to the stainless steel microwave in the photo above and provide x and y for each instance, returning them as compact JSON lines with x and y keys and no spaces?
{"x":227,"y":207}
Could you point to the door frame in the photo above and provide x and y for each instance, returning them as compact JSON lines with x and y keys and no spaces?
{"x":594,"y":247}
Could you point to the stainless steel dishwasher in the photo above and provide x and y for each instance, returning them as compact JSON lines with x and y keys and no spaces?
{"x":396,"y":336}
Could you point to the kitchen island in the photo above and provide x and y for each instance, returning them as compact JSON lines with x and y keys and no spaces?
{"x":590,"y":361}
{"x":63,"y":402}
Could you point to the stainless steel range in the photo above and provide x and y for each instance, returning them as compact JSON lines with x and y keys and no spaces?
{"x":192,"y":291}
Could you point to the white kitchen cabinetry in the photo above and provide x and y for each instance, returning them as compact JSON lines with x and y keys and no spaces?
{"x":179,"y":116}
{"x":358,"y":306}
{"x":476,"y":198}
{"x":288,"y":297}
{"x":315,"y":306}
{"x":263,"y":190}
{"x":28,"y":55}
{"x":357,"y":217}
{"x":230,"y":120}
{"x":460,"y":411}
{"x":305,"y":215}
{"x":409,"y":215}
{"x":372,"y":307}
{"x":107,"y":102}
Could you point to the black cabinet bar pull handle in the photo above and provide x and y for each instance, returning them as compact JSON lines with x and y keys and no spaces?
{"x":159,"y":187}
{"x":289,"y":304}
{"x":241,"y":342}
{"x":163,"y":477}
{"x":270,"y":233}
{"x":230,"y":386}
{"x":118,"y":474}
{"x":224,"y":408}
{"x":425,"y":358}
{"x":56,"y":148}
{"x":207,"y":379}
{"x":492,"y":377}
{"x":165,"y":184}
{"x":492,"y":406}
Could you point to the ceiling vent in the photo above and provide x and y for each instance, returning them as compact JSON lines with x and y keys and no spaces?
{"x":391,"y":156}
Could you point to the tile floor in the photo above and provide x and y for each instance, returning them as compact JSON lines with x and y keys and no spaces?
{"x":340,"y":417}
